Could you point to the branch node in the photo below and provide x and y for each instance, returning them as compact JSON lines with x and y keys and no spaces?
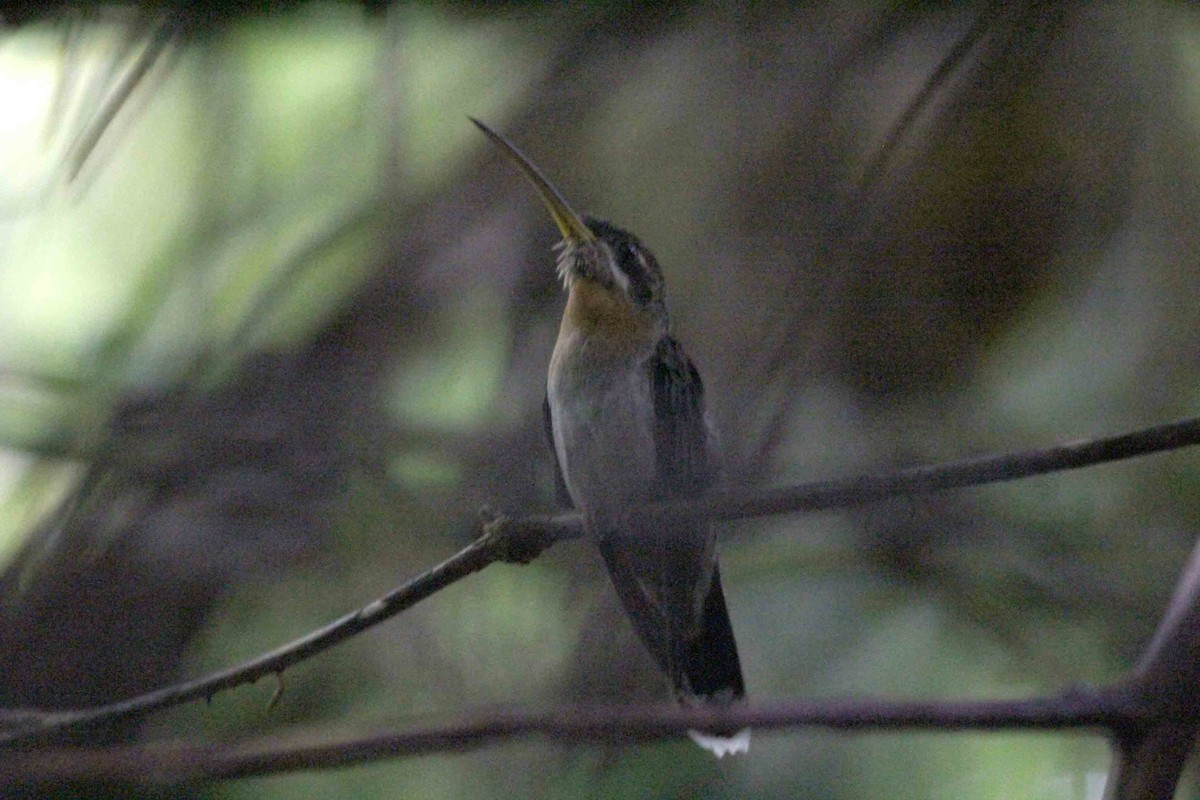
{"x":516,"y":541}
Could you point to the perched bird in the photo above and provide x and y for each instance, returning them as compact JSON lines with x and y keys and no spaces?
{"x":625,"y":414}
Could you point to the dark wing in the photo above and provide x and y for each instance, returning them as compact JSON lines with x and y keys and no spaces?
{"x":681,"y":435}
{"x":667,"y":576}
{"x":686,"y":466}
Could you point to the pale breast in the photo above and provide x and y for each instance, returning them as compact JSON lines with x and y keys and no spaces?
{"x":602,"y":415}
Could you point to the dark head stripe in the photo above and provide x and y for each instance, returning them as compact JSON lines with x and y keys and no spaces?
{"x":633,"y":259}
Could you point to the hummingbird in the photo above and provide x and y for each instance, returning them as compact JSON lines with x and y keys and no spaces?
{"x":626,"y":419}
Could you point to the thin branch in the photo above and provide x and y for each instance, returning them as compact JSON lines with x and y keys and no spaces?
{"x":178,"y":763}
{"x":1174,"y":652}
{"x":848,"y":492}
{"x":118,"y":97}
{"x":951,"y":62}
{"x":521,"y":540}
{"x":502,"y":541}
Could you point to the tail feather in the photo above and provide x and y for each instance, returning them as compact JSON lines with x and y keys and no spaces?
{"x":713,"y":668}
{"x":699,"y":655}
{"x":714,"y":672}
{"x":721,"y":746}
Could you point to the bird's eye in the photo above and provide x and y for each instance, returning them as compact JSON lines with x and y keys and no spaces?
{"x":631,"y":262}
{"x":627,"y":258}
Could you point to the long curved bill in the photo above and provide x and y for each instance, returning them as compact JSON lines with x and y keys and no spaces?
{"x":568,"y":222}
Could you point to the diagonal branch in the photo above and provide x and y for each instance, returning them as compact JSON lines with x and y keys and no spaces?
{"x":521,"y":540}
{"x":1150,"y":758}
{"x":502,"y":541}
{"x":848,"y":492}
{"x":180,"y":763}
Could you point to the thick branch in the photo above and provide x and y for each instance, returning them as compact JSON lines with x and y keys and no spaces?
{"x":523,"y":539}
{"x":1151,"y":757}
{"x":185,"y":763}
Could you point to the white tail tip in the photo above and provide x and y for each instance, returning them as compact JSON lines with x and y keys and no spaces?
{"x":721,"y":746}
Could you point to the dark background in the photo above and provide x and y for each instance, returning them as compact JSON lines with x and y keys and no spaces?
{"x":274,"y":324}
